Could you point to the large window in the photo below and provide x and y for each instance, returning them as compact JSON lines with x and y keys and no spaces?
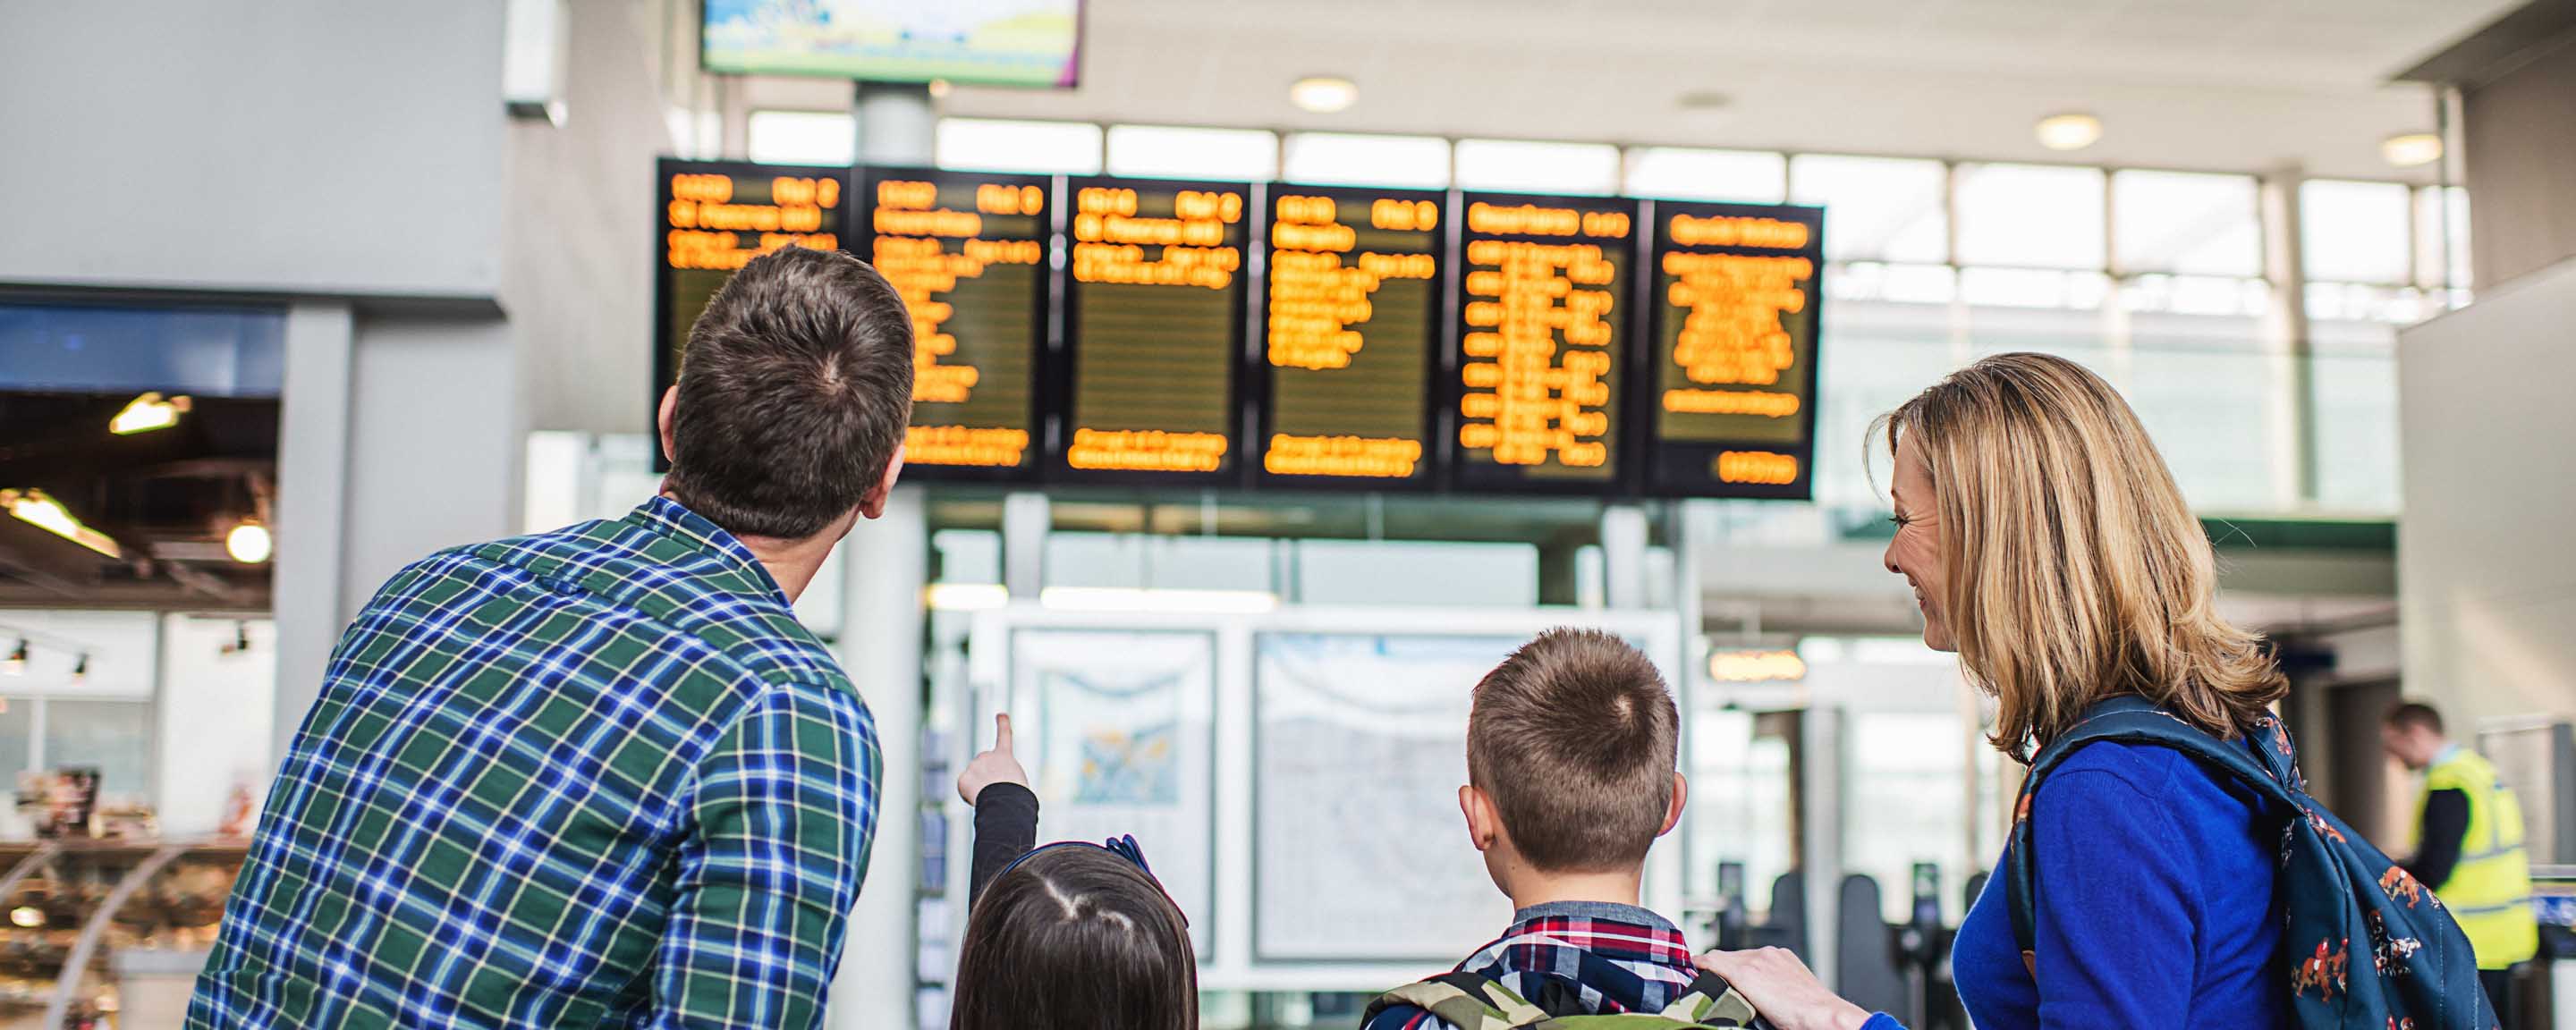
{"x":1877,"y":208}
{"x":802,"y":137}
{"x":1072,"y":148}
{"x":1530,"y":166}
{"x":2185,"y":223}
{"x":1331,"y":158}
{"x":1176,"y":152}
{"x":2030,"y":216}
{"x":1741,"y":176}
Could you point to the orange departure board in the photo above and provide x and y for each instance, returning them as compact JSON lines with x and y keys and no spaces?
{"x":1350,"y":336}
{"x":1733,"y":352}
{"x":1543,"y":303}
{"x":716,"y":217}
{"x":1155,"y":291}
{"x":968,"y":252}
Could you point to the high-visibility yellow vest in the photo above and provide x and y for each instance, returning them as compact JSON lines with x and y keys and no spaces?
{"x":2489,"y":891}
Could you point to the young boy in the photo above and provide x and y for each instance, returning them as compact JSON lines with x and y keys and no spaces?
{"x":1571,"y":765}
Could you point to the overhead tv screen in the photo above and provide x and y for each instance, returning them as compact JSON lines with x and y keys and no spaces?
{"x":1031,"y":43}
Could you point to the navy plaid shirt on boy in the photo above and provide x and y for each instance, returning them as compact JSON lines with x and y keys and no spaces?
{"x":596,"y":777}
{"x":1613,"y":958}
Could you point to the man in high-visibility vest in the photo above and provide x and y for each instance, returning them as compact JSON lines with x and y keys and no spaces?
{"x":2468,"y":846}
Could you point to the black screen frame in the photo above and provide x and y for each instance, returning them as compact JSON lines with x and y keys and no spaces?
{"x":1662,"y":456}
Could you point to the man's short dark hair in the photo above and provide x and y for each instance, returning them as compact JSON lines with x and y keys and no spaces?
{"x":1576,"y":739}
{"x":2414,"y":714}
{"x":794,"y":393}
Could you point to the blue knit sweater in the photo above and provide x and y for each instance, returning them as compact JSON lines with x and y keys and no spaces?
{"x":2154,"y":904}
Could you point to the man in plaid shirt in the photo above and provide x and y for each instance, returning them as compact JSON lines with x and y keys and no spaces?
{"x":601,"y":776}
{"x":1572,"y":756}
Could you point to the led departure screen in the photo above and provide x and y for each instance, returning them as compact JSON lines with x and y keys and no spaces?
{"x":1351,"y":330}
{"x":1543,"y":299}
{"x":715,"y":219}
{"x":1146,"y":332}
{"x":969,"y":255}
{"x":1154,"y":329}
{"x":1734,"y":349}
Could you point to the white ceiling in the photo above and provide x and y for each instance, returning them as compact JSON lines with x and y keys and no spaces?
{"x":2219,"y":84}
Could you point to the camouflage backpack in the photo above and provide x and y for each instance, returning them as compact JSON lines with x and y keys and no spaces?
{"x":1469,"y":1001}
{"x":2364,"y":946}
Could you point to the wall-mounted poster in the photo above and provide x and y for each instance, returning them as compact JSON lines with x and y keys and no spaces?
{"x":1359,"y":851}
{"x":1114,"y":729}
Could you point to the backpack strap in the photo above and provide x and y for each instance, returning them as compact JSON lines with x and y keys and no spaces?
{"x":2268,"y":768}
{"x":1713,"y":1002}
{"x":1463,"y":1000}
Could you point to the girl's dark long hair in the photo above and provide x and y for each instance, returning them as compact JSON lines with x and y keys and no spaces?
{"x":1076,"y":939}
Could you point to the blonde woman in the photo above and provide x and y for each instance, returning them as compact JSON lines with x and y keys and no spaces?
{"x":2048,"y":546}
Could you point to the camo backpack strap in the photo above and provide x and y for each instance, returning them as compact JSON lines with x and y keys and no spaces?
{"x":1713,"y":1002}
{"x":1462,"y":1000}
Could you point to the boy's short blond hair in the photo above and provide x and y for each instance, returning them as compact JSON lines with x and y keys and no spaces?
{"x":1575,"y":739}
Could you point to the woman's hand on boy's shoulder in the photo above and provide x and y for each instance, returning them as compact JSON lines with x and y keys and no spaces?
{"x":998,"y":765}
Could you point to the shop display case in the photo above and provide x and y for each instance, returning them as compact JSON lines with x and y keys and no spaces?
{"x":108,"y":933}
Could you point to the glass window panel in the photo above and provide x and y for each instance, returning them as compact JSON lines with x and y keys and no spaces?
{"x":2078,"y":336}
{"x":1533,"y":166}
{"x":2034,"y":288}
{"x":1177,"y":152}
{"x":1744,"y":176}
{"x":2354,"y":232}
{"x":1420,"y":162}
{"x":2187,"y":223}
{"x":2030,"y":216}
{"x":1881,"y":355}
{"x":802,"y":137}
{"x":17,"y":738}
{"x":114,"y":737}
{"x":980,"y":144}
{"x":1876,"y":208}
{"x":1907,"y":803}
{"x":2354,"y":368}
{"x":2207,"y":395}
{"x":1740,"y":805}
{"x":2431,"y":230}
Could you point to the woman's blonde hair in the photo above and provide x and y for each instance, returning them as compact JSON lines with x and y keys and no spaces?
{"x":2074,"y":570}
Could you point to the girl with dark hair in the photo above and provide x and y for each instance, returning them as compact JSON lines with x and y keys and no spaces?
{"x":1070,"y":936}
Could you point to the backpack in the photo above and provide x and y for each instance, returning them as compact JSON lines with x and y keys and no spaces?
{"x":2365,"y":946}
{"x":1469,"y":1001}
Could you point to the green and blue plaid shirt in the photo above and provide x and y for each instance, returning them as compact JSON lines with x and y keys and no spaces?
{"x":599,"y":777}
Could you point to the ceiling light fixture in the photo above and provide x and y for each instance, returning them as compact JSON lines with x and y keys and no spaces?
{"x":1704,"y":100}
{"x":33,"y":507}
{"x":2070,"y":131}
{"x":1323,"y":94}
{"x":147,"y":413}
{"x":80,"y":670}
{"x":16,"y":663}
{"x":2411,"y":149}
{"x":249,"y":542}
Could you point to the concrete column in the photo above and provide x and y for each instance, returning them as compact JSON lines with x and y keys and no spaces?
{"x":887,"y":562}
{"x":1025,"y":521}
{"x":2294,"y":426}
{"x":1623,"y":555}
{"x":1820,"y":825}
{"x":312,"y":481}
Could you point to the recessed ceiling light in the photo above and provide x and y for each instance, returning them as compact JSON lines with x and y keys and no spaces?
{"x":1323,"y":94}
{"x":1703,"y":100}
{"x":2411,"y":149}
{"x":2069,"y":131}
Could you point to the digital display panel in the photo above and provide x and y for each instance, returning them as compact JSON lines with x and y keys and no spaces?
{"x":1137,"y":332}
{"x":715,"y":218}
{"x":1351,"y":333}
{"x":968,"y":253}
{"x":1034,"y":43}
{"x":1155,"y":292}
{"x":1733,"y":351}
{"x":1543,"y":299}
